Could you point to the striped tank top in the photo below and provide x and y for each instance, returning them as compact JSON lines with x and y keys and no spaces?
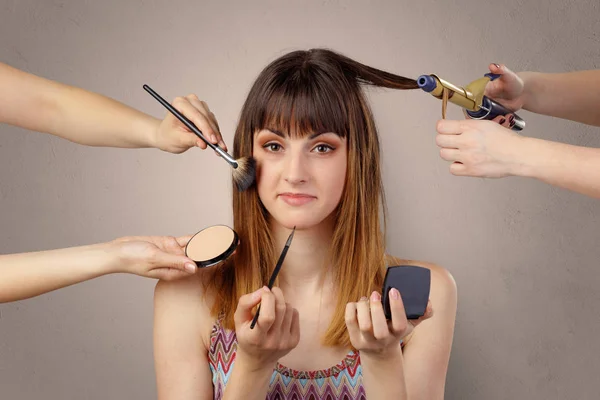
{"x":343,"y":381}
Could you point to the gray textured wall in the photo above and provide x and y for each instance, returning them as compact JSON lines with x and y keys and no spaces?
{"x":525,"y":255}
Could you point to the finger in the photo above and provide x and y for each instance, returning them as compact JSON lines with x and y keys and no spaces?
{"x":363,"y":314}
{"x":280,"y":309}
{"x":399,"y":321}
{"x":167,"y":260}
{"x":426,"y":315}
{"x":450,"y":127}
{"x":450,"y":154}
{"x":351,"y":320}
{"x":448,"y":141}
{"x":286,"y":324}
{"x":184,"y":106}
{"x":243,"y":312}
{"x":215,"y":136}
{"x":496,"y":68}
{"x":267,"y":311}
{"x":497,"y":87}
{"x":170,"y":245}
{"x":183,"y":240}
{"x":458,"y":169}
{"x":295,"y":328}
{"x":167,"y":274}
{"x":380,"y":326}
{"x":504,"y":120}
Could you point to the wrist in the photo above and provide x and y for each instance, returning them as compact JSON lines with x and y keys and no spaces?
{"x":529,"y":89}
{"x":389,"y":354}
{"x":100,"y":258}
{"x":250,"y":365}
{"x":108,"y":257}
{"x":147,"y":128}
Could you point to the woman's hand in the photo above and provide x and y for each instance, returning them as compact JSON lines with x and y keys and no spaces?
{"x":479,"y":148}
{"x":174,"y":137}
{"x":370,"y":332}
{"x":160,"y":257}
{"x":509,"y":89}
{"x":276,"y":333}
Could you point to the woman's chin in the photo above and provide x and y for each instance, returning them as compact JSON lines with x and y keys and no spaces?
{"x":300,"y":224}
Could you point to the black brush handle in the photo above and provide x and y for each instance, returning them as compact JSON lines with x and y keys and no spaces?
{"x":255,"y":318}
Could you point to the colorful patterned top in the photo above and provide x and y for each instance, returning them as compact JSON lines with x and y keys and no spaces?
{"x":343,"y":381}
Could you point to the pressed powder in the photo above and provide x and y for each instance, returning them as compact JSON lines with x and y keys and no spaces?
{"x":212,"y":245}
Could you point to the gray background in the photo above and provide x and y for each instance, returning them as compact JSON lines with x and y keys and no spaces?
{"x":524,"y":254}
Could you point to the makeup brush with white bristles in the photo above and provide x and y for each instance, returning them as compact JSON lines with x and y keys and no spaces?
{"x":244,"y":169}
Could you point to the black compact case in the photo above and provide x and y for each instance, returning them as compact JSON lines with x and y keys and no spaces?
{"x":413,"y":283}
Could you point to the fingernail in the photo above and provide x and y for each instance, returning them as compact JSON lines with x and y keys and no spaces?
{"x":375,"y":296}
{"x":364,"y":298}
{"x":511,"y":118}
{"x":395,"y":293}
{"x":266,"y":289}
{"x":222,"y":144}
{"x":191,"y":268}
{"x":256,"y":295}
{"x":497,"y":65}
{"x":503,"y":120}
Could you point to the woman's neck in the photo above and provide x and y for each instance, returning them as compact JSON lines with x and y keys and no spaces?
{"x":303,"y":272}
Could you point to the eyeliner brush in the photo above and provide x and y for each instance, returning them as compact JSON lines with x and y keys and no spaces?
{"x":275,"y":272}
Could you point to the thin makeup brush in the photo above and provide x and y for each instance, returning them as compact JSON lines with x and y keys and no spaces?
{"x":244,"y":169}
{"x":275,"y":272}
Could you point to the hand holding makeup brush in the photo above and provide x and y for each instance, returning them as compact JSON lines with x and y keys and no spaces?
{"x":91,"y":119}
{"x":173,"y":136}
{"x":276,"y":333}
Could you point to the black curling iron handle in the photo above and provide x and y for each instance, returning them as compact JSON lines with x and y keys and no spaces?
{"x":490,"y":109}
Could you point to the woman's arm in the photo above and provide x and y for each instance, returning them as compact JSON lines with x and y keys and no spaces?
{"x":427,"y":351}
{"x":569,"y":167}
{"x":27,"y":275}
{"x":182,"y":325}
{"x":571,"y":95}
{"x":420,"y":371}
{"x":88,"y":118}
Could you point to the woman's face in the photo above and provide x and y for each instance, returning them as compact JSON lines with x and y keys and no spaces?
{"x":300,"y":181}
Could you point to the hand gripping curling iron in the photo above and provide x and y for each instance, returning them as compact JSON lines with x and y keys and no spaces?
{"x":471,"y":98}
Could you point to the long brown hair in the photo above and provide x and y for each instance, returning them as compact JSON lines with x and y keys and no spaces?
{"x":309,"y":91}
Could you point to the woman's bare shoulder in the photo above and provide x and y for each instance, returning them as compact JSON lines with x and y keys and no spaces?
{"x":188,"y":302}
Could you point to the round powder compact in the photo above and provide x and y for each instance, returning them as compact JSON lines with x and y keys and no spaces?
{"x":212,"y":245}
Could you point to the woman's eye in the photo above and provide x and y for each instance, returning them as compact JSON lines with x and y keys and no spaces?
{"x":274,"y":147}
{"x":323,"y":148}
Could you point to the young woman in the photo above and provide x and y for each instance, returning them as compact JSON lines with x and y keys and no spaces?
{"x":322,"y":333}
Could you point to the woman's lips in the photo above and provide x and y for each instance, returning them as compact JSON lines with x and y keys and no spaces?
{"x":296,"y":199}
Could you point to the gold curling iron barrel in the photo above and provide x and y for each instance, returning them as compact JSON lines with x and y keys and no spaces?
{"x":471,"y":98}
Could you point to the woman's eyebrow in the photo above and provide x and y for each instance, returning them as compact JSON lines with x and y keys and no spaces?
{"x":311,"y":137}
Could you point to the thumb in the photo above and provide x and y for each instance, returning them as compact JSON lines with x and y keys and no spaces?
{"x":178,"y":262}
{"x":494,"y":88}
{"x":246,"y":303}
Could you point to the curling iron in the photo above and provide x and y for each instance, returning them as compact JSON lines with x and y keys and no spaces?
{"x":471,"y":98}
